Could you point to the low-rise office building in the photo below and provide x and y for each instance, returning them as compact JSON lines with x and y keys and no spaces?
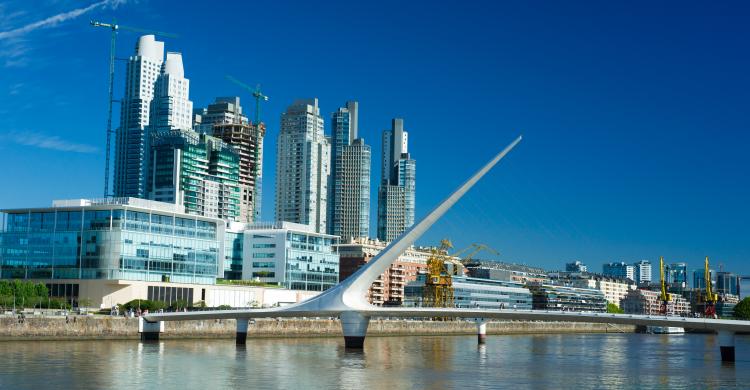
{"x":290,"y":255}
{"x":476,"y":293}
{"x":566,"y":298}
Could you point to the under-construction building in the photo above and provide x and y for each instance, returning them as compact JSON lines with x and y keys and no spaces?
{"x":224,"y":120}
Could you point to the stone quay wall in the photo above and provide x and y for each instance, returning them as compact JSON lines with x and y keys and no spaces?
{"x":103,"y":327}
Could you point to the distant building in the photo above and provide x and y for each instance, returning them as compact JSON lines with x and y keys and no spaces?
{"x":564,"y":298}
{"x":290,"y":255}
{"x":196,"y":171}
{"x":475,"y":293}
{"x":349,"y":187}
{"x":699,"y":281}
{"x":576,"y":266}
{"x":396,"y":193}
{"x":613,"y":289}
{"x":303,"y":166}
{"x":642,"y":271}
{"x":648,"y":302}
{"x":727,"y":283}
{"x":619,"y":270}
{"x":507,"y":272}
{"x":744,"y":286}
{"x":677,"y":276}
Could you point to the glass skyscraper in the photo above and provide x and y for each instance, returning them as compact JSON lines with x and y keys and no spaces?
{"x":349,"y":188}
{"x":396,"y":193}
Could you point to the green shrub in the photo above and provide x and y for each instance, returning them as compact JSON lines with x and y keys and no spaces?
{"x":143,"y":304}
{"x":742,"y":310}
{"x":612,"y":308}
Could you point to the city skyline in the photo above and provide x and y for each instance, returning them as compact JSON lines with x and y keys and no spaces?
{"x":653,"y":192}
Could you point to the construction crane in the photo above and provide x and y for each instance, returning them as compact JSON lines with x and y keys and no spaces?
{"x":259,"y":97}
{"x":438,"y":287}
{"x":710,"y":297}
{"x":114,"y":27}
{"x":665,"y":296}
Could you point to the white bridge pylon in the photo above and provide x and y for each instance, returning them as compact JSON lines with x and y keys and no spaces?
{"x":347,"y":299}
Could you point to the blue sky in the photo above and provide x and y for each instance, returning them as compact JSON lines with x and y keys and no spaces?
{"x":634,"y":115}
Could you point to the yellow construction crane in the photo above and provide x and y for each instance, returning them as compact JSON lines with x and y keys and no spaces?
{"x":438,"y":288}
{"x":114,"y":27}
{"x":665,"y":296}
{"x":710,"y":297}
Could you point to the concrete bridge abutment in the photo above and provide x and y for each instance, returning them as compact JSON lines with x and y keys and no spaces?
{"x":150,"y":331}
{"x":726,"y":346}
{"x":354,"y":326}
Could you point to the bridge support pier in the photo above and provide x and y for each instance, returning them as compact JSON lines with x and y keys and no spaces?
{"x":354,"y":325}
{"x":150,"y":330}
{"x":242,"y":324}
{"x":481,"y":330}
{"x":726,"y":346}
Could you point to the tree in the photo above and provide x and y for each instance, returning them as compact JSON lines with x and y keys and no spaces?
{"x":612,"y":308}
{"x":742,"y":310}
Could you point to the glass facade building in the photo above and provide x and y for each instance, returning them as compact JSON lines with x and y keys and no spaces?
{"x":349,"y":197}
{"x":564,"y":298}
{"x":114,"y":238}
{"x":396,"y":193}
{"x":290,"y":255}
{"x":475,"y":293}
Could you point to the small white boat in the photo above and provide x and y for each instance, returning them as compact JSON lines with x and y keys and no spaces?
{"x":665,"y":330}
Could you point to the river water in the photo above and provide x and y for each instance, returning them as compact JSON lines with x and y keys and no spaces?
{"x":580,"y":361}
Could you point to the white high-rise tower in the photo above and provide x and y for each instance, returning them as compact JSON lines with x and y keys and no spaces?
{"x":303,"y":166}
{"x":131,"y":148}
{"x":171,"y":108}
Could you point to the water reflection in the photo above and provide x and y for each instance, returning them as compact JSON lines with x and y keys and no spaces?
{"x":613,"y":361}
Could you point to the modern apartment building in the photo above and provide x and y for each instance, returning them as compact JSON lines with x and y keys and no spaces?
{"x":225,"y":120}
{"x":619,"y":270}
{"x":131,"y":141}
{"x":389,"y":287}
{"x":648,"y":302}
{"x":171,"y":108}
{"x":196,"y":171}
{"x":349,"y":187}
{"x":396,"y":193}
{"x":642,"y":271}
{"x":613,"y":289}
{"x":303,"y":166}
{"x":291,"y":255}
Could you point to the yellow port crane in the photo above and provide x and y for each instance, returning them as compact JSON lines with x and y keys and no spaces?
{"x":438,"y":287}
{"x":665,"y":296}
{"x":710,"y":297}
{"x":477,"y":247}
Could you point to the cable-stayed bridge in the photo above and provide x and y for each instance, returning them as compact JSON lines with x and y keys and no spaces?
{"x":347,"y":299}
